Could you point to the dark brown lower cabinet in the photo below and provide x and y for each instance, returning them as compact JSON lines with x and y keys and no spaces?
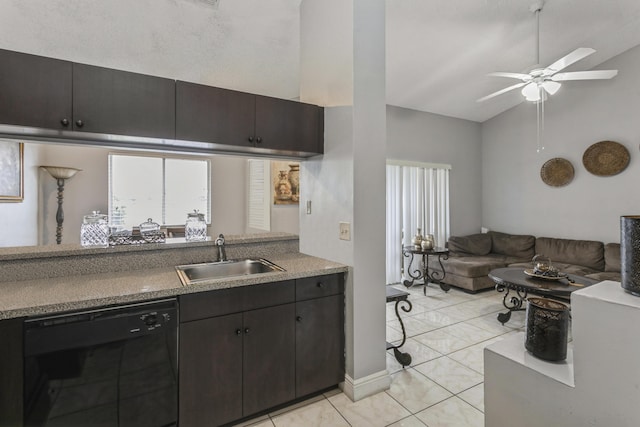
{"x":246,"y":350}
{"x":236,"y":365}
{"x":211,"y":349}
{"x":319,"y":344}
{"x":11,"y":365}
{"x":268,"y":358}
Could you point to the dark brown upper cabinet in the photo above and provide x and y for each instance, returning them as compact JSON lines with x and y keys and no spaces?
{"x":222,"y":116}
{"x":35,"y":91}
{"x":122,"y":103}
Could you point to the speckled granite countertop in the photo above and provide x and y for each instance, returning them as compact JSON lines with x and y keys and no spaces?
{"x":59,"y":294}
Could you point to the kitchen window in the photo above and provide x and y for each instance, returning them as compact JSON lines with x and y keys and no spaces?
{"x":162,"y":188}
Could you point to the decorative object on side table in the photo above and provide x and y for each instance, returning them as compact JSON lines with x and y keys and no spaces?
{"x":417,"y":239}
{"x":606,"y":158}
{"x":428,"y":242}
{"x":60,"y":174}
{"x":630,"y":253}
{"x":557,"y":172}
{"x":547,"y":329}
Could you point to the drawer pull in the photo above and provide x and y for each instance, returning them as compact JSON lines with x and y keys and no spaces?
{"x":246,"y":330}
{"x":320,"y":285}
{"x":299,"y":318}
{"x":238,"y":331}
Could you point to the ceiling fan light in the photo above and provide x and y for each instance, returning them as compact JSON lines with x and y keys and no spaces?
{"x":551,"y":87}
{"x":531,"y":92}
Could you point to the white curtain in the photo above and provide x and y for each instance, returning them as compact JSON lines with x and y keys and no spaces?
{"x":417,"y":197}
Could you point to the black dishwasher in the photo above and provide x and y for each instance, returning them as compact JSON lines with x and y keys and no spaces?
{"x":109,"y":367}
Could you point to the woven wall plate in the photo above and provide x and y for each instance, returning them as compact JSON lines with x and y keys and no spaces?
{"x":606,"y":158}
{"x":557,"y":172}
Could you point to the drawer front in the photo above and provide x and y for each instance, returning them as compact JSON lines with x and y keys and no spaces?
{"x":269,"y":294}
{"x":202,"y":305}
{"x":319,"y":286}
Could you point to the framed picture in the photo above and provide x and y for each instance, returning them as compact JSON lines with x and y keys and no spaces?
{"x":285,"y":177}
{"x":11,"y":171}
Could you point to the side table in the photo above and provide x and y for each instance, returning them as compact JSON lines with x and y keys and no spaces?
{"x":398,"y":296}
{"x":424,"y":274}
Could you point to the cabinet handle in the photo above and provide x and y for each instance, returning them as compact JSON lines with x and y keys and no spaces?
{"x":320,"y":285}
{"x":250,"y":139}
{"x":238,"y":331}
{"x":258,"y":140}
{"x":246,"y":330}
{"x":299,"y":318}
{"x":64,"y":122}
{"x":79,"y":123}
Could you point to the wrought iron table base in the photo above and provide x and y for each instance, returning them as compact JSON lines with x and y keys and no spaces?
{"x":400,"y":297}
{"x":514,"y":304}
{"x":425,"y":275}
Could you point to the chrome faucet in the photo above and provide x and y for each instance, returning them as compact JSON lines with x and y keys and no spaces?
{"x":222,"y":254}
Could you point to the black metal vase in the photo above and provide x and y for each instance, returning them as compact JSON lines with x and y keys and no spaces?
{"x":630,"y":253}
{"x":547,"y":327}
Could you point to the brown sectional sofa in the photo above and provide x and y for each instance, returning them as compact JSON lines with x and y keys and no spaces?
{"x":472,"y":257}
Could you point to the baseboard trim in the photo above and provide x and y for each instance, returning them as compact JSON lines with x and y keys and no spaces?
{"x":367,"y":386}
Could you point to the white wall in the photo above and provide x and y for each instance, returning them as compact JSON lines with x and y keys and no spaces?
{"x":19,"y":221}
{"x":424,"y":137}
{"x":514,"y":197}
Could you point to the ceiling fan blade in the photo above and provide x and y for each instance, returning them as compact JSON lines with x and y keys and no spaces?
{"x":500,"y":92}
{"x":519,"y":76}
{"x":564,"y":62}
{"x":585,"y":75}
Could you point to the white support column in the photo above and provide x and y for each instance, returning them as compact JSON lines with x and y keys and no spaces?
{"x":343,"y":63}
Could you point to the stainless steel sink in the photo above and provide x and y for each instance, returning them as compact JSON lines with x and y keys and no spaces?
{"x":194,"y":273}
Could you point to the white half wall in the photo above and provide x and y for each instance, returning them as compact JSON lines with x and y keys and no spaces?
{"x":514,"y":198}
{"x":424,"y":137}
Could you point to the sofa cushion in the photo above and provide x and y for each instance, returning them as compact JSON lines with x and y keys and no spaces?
{"x":517,"y":246}
{"x":472,"y":266}
{"x":587,"y":253}
{"x":475,"y":244}
{"x":612,"y":257}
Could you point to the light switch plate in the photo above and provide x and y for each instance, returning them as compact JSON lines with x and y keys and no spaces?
{"x":345,"y":231}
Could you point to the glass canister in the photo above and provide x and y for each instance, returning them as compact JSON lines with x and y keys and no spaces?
{"x":150,"y":231}
{"x":94,"y":231}
{"x":195,"y":228}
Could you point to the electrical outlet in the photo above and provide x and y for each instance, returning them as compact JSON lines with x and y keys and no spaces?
{"x":345,"y":231}
{"x":308,"y":207}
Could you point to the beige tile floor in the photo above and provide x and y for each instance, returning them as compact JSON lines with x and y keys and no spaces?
{"x":443,"y":386}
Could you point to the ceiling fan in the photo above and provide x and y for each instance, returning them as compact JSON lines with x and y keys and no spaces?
{"x":541,"y":81}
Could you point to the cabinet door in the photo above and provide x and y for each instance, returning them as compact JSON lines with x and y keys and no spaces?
{"x":11,"y":368}
{"x":268,"y":358}
{"x":210,"y":114}
{"x":122,"y":103}
{"x":211,"y":371}
{"x":34,"y":91}
{"x":287,"y":125}
{"x":319,"y":344}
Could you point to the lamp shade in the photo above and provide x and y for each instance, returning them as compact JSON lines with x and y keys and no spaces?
{"x":61,"y":172}
{"x":531,"y":92}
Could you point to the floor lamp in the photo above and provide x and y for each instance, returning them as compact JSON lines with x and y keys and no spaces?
{"x":60,"y":174}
